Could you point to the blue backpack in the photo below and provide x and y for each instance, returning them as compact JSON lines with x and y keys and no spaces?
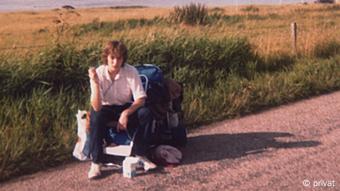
{"x":153,"y":82}
{"x":150,"y":72}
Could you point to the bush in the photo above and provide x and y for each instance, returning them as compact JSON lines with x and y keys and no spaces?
{"x":191,"y":14}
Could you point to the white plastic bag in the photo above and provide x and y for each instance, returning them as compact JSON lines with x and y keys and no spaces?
{"x":82,"y":136}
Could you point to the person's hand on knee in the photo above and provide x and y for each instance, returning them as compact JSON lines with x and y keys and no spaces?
{"x":122,"y":122}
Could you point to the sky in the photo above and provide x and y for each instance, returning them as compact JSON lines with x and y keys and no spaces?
{"x":14,"y":5}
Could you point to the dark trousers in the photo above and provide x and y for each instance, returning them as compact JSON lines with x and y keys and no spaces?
{"x":99,"y":130}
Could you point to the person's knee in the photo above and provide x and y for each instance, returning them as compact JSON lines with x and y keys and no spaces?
{"x":96,"y":118}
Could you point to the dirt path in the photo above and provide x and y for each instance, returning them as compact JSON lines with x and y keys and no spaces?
{"x":292,"y":147}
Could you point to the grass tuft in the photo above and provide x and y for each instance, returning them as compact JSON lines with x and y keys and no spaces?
{"x":192,"y":14}
{"x":327,"y":49}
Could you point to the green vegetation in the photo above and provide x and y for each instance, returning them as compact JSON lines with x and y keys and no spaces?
{"x":223,"y":77}
{"x":327,"y":49}
{"x":106,"y":28}
{"x":37,"y":130}
{"x":250,"y":8}
{"x":190,"y":14}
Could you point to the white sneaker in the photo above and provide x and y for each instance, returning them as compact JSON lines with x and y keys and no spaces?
{"x":94,"y":171}
{"x":148,"y":165}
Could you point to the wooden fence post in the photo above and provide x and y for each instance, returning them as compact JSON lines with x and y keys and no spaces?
{"x":293,"y":28}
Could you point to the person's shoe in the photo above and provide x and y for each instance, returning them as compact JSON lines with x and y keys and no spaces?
{"x":94,"y":171}
{"x":147,"y":165}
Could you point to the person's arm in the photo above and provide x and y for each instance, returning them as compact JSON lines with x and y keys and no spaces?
{"x":134,"y":106}
{"x":96,"y":102}
{"x":139,"y":96}
{"x":124,"y":116}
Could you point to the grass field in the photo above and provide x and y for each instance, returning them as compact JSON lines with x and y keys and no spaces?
{"x":266,"y":27}
{"x":238,"y":61}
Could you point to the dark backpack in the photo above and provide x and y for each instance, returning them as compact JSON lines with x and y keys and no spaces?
{"x":159,"y":102}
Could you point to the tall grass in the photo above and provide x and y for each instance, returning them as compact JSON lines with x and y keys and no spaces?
{"x":191,"y":14}
{"x":235,"y":95}
{"x":250,"y":8}
{"x":54,"y":68}
{"x":106,"y":28}
{"x":223,"y":77}
{"x":187,"y":57}
{"x":327,"y":49}
{"x":37,"y":130}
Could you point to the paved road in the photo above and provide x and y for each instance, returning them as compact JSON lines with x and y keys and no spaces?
{"x":292,"y":147}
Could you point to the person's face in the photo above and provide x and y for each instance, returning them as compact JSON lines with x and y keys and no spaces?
{"x":114,"y":62}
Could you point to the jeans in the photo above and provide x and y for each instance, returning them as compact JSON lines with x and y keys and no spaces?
{"x":100,"y":132}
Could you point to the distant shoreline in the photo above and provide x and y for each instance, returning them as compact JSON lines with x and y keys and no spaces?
{"x":76,"y":7}
{"x":62,"y":7}
{"x":39,"y":5}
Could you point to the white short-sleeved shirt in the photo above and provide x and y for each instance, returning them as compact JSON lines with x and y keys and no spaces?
{"x":126,"y":85}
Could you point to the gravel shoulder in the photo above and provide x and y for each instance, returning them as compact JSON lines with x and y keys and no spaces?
{"x":291,"y":147}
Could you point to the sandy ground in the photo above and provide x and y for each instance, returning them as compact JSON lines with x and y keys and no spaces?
{"x":292,"y":147}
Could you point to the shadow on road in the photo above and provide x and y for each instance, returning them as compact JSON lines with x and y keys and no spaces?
{"x":221,"y":146}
